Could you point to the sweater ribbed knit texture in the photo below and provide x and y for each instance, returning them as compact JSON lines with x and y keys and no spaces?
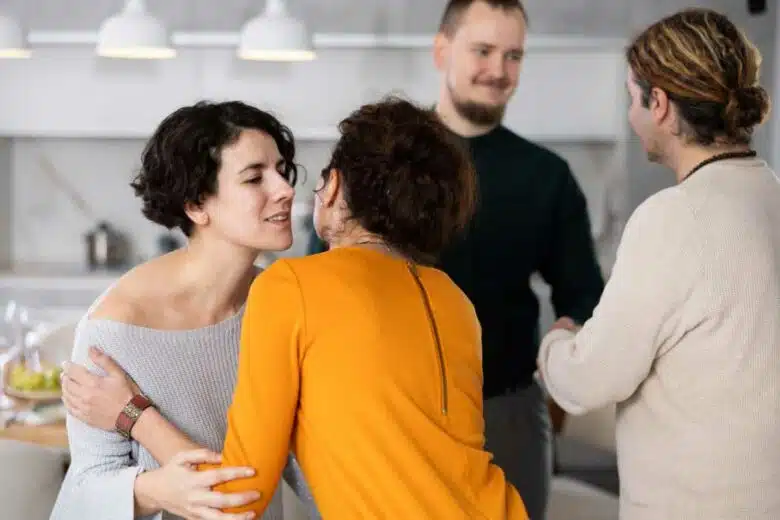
{"x":686,"y":341}
{"x":190,"y":376}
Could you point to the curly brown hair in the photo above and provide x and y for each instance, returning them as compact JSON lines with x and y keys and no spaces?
{"x":708,"y":68}
{"x":181,"y":160}
{"x":406,"y":177}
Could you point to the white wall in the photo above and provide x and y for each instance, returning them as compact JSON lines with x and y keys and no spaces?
{"x":5,"y":203}
{"x":48,"y":227}
{"x":87,"y":119}
{"x":69,"y":92}
{"x":72,"y":102}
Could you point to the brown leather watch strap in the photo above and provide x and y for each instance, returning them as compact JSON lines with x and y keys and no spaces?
{"x":130,"y":414}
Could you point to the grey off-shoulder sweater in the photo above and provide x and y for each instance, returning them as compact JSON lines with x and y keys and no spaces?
{"x":190,"y":376}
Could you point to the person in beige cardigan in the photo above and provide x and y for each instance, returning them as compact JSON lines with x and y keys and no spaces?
{"x":686,"y":337}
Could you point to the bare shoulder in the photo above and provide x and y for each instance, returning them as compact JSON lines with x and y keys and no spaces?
{"x":116,"y":305}
{"x":130,"y":299}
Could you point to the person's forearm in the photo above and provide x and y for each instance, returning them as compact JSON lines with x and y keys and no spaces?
{"x":143,"y":491}
{"x":160,"y":437}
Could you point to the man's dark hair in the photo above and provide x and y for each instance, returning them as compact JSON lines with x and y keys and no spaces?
{"x":180,"y":162}
{"x":456,"y":8}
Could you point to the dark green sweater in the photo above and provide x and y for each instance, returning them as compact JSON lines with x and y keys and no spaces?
{"x":531,"y":217}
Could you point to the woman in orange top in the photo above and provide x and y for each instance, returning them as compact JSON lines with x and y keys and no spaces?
{"x":363,"y":359}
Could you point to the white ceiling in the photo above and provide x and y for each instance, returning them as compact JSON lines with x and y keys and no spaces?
{"x":588,"y":17}
{"x":220,"y":15}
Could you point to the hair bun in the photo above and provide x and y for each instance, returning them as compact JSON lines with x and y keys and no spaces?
{"x":746,"y":107}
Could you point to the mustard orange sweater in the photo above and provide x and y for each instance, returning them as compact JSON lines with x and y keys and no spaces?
{"x":371,"y":371}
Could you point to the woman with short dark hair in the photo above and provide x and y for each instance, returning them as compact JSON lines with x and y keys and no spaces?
{"x":222,"y":173}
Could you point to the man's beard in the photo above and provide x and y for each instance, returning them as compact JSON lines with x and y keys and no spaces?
{"x":653,"y":152}
{"x":654,"y":157}
{"x":478,"y":113}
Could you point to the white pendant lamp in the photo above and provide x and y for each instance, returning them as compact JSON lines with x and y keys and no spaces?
{"x":275,"y":36}
{"x":134,"y":34}
{"x":13,"y":43}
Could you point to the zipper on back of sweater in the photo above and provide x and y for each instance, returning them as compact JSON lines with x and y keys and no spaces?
{"x":435,"y":333}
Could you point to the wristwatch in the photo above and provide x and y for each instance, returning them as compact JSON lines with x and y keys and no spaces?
{"x":130,"y":414}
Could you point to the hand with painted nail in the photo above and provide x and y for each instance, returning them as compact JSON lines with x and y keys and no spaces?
{"x":97,"y":399}
{"x":179,"y":488}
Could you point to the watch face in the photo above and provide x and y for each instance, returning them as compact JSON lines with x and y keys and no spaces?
{"x":130,"y":414}
{"x":134,"y":412}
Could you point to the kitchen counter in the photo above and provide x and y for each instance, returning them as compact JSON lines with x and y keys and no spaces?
{"x":56,"y":293}
{"x":58,"y":277}
{"x":72,"y":277}
{"x":49,"y":435}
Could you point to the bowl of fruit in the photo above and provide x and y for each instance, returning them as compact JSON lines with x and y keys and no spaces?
{"x":22,"y":382}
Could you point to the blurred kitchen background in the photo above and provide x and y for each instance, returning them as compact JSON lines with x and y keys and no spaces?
{"x":72,"y":125}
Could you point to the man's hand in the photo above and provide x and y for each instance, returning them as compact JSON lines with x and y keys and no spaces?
{"x":566,"y":323}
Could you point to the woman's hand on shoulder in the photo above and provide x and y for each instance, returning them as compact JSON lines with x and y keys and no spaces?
{"x":94,"y":399}
{"x":179,"y":488}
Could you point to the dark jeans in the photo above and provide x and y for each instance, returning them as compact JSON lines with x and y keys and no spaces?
{"x":518,"y":433}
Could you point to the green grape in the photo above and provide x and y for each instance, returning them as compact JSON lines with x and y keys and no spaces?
{"x":52,"y":379}
{"x":23,"y":379}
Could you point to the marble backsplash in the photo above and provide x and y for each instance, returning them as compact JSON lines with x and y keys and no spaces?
{"x":47,"y":224}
